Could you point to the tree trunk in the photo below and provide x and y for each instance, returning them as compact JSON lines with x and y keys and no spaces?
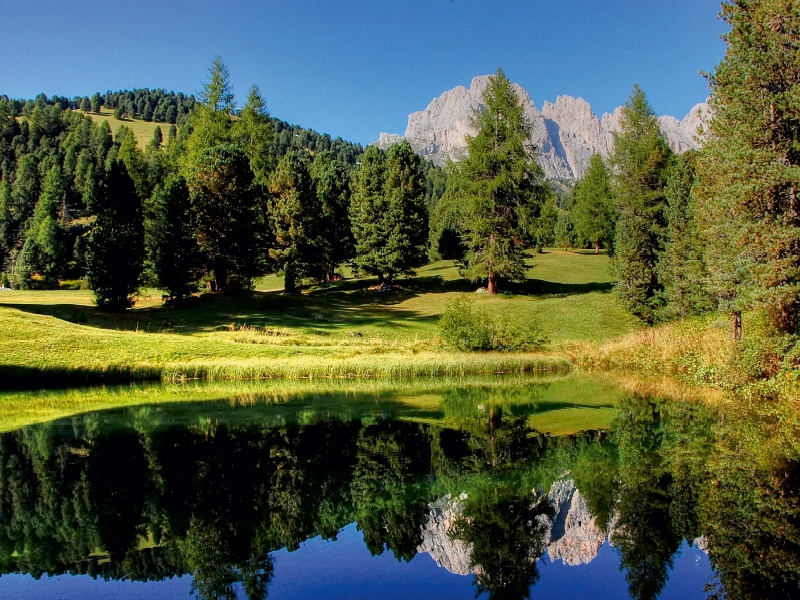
{"x":220,"y":277}
{"x":597,"y":247}
{"x":492,"y":286}
{"x":737,"y":325}
{"x":289,"y":281}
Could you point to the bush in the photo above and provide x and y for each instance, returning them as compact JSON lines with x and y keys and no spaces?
{"x":469,"y":327}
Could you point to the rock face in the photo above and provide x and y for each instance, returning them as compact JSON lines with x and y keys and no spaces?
{"x":571,"y":535}
{"x":566,"y":132}
{"x":451,"y":554}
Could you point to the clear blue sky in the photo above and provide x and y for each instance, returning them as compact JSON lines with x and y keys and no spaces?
{"x":354,"y":68}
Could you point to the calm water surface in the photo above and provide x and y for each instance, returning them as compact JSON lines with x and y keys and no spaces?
{"x":567,"y":488}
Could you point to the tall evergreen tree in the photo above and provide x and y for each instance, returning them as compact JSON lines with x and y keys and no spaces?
{"x":227,"y":208}
{"x":42,"y":251}
{"x":295,"y":219}
{"x":6,"y":224}
{"x":388,"y":213}
{"x":499,"y":187}
{"x":592,"y":206}
{"x":116,"y":243}
{"x":253,"y":132}
{"x":86,"y":105}
{"x":96,"y":102}
{"x":332,"y":184}
{"x":640,"y":161}
{"x":681,"y":269}
{"x":748,"y":180}
{"x":172,"y":252}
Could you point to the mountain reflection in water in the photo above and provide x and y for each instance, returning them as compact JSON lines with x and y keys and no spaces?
{"x":147,"y":493}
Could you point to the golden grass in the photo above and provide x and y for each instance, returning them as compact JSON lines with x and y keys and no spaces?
{"x":142,"y":130}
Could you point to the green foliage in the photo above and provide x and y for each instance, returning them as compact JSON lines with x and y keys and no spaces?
{"x":388,"y":214}
{"x":172,"y":252}
{"x":295,"y":221}
{"x":116,"y":244}
{"x":332,"y":184}
{"x":544,"y":232}
{"x":498,"y":190}
{"x":747,"y":194}
{"x":564,"y":231}
{"x":96,"y":102}
{"x":86,"y":105}
{"x":468,"y":327}
{"x":639,"y":162}
{"x":228,"y":211}
{"x":217,"y":93}
{"x":253,"y":132}
{"x":592,"y":206}
{"x":681,"y":269}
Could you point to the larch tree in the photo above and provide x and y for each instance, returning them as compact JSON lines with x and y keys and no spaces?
{"x":499,"y":187}
{"x":592,"y":206}
{"x":253,"y":132}
{"x":639,"y":162}
{"x":748,"y":173}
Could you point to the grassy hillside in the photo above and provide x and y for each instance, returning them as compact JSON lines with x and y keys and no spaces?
{"x":339,"y":329}
{"x":143,"y":130}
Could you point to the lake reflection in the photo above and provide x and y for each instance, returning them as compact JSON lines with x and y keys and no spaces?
{"x":222,"y":491}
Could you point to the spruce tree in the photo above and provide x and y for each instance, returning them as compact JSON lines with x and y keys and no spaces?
{"x":332,"y":184}
{"x":228,"y":216}
{"x":592,"y":206}
{"x":640,"y":161}
{"x":499,"y":187}
{"x":388,"y":213}
{"x":681,"y":269}
{"x":172,"y":252}
{"x":295,"y":219}
{"x":115,"y":253}
{"x":747,"y":192}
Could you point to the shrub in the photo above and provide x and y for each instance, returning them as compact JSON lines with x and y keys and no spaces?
{"x":470,"y":327}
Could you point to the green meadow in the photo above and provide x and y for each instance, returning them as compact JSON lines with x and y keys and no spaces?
{"x":344,"y":329}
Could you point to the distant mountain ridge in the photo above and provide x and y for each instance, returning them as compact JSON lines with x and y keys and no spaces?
{"x":566,"y":132}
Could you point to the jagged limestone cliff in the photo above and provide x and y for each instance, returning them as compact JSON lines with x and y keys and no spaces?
{"x":566,"y":132}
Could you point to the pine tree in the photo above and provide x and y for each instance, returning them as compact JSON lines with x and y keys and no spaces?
{"x":135,"y":164}
{"x":172,"y":252}
{"x":172,"y":134}
{"x":747,"y":192}
{"x":388,"y":214}
{"x":592,"y":206}
{"x":86,"y":105}
{"x":6,"y":224}
{"x":96,"y":102}
{"x":640,"y":162}
{"x":147,"y":112}
{"x":158,"y":138}
{"x":332,"y":184}
{"x":367,"y":208}
{"x":228,"y":216}
{"x":500,"y":188}
{"x":681,"y":269}
{"x":116,"y":243}
{"x":295,"y":219}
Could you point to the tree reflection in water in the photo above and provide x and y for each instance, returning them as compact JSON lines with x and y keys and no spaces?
{"x":121,"y":494}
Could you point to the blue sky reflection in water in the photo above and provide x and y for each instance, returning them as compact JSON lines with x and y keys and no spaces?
{"x":244,"y":496}
{"x":345,"y":570}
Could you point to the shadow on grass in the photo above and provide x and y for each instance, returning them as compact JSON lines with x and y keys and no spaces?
{"x":348,"y":304}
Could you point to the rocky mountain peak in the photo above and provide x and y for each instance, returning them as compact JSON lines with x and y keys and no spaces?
{"x":566,"y":132}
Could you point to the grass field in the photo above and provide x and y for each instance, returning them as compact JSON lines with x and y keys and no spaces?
{"x":143,"y":130}
{"x":337,"y":330}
